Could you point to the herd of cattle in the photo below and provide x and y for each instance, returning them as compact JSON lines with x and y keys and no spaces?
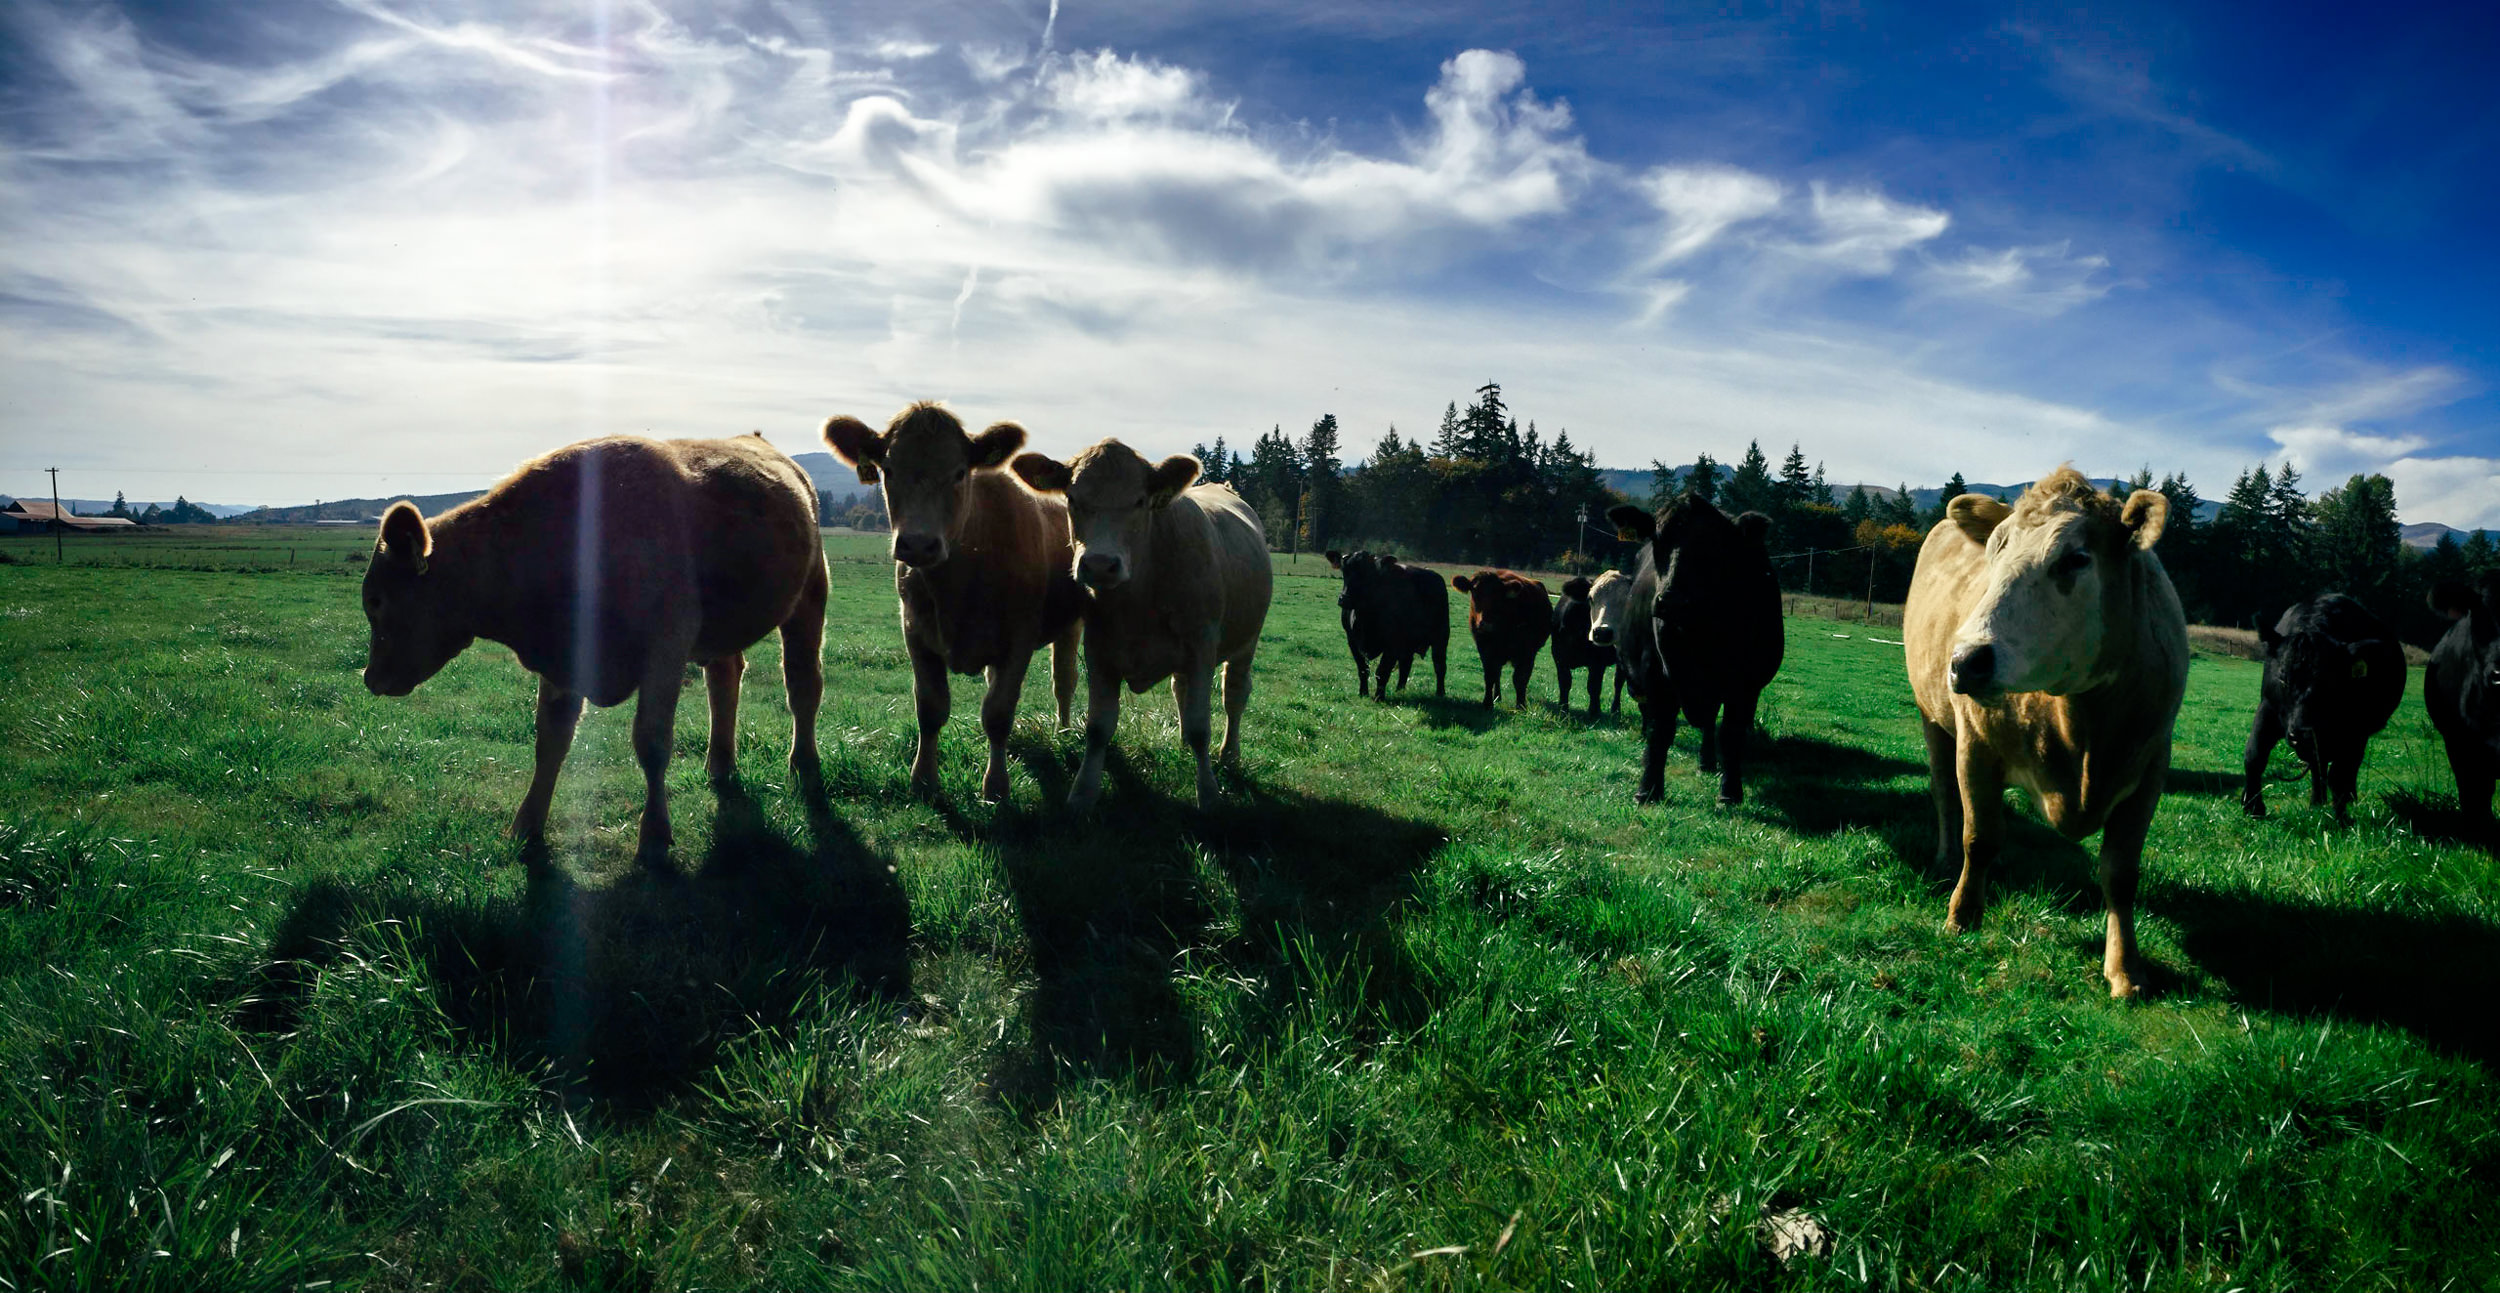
{"x":2045,"y":646}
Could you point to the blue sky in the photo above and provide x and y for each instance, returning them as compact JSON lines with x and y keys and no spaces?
{"x":288,"y":250}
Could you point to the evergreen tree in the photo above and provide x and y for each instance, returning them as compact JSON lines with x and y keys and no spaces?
{"x":1822,"y":489}
{"x":1901,"y":509}
{"x":2479,"y":552}
{"x":1319,"y":476}
{"x":1448,"y":443}
{"x":2359,"y":542}
{"x":1858,"y":507}
{"x":1703,"y":483}
{"x":121,"y":506}
{"x":1796,"y":486}
{"x":1749,"y":488}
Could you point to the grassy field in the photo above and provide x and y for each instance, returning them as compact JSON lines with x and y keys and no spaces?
{"x":1425,"y":1003}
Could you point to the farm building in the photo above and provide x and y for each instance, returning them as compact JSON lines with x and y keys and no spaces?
{"x":29,"y":516}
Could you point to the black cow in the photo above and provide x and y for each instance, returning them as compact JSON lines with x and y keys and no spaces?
{"x":1573,"y":648}
{"x":2461,"y":688}
{"x":1702,"y":633}
{"x":1395,"y":612}
{"x":2334,"y":676}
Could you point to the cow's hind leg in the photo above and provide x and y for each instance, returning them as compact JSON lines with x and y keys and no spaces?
{"x":803,"y":669}
{"x":998,"y":720}
{"x":1735,"y":728}
{"x":1193,"y":693}
{"x":930,"y":700}
{"x":559,"y":712}
{"x":1406,"y":667}
{"x":1519,"y":680}
{"x":2122,"y":856}
{"x":1440,"y":669}
{"x":1102,"y":718}
{"x":1944,"y":786}
{"x":2262,"y":737}
{"x":1982,"y":781}
{"x":1236,"y":699}
{"x":1063,"y":663}
{"x":655,"y":728}
{"x":720,"y":681}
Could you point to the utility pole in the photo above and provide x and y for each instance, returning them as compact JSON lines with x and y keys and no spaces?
{"x":57,"y":525}
{"x":1809,"y":572}
{"x":1870,"y":583}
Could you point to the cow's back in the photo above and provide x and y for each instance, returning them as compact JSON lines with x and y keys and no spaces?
{"x":750,"y":525}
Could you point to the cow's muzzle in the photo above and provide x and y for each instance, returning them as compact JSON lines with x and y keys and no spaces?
{"x":382,"y":686}
{"x":919,"y":551}
{"x":1603,"y":635}
{"x":1098,"y":571}
{"x":1974,"y":670}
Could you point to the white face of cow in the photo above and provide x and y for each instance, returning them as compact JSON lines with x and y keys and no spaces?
{"x":1113,"y":495}
{"x":1607,"y":599}
{"x":2041,"y":623}
{"x":923,"y":465}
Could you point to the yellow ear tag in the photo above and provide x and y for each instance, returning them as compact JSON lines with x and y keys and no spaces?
{"x":1625,"y":536}
{"x":2360,"y":668}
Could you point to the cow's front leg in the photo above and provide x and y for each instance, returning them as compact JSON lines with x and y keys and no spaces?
{"x":720,"y":681}
{"x":1102,"y":718}
{"x":1597,"y":687}
{"x":1519,"y":680}
{"x":1492,"y":677}
{"x":930,"y":702}
{"x":1705,"y":720}
{"x":1658,"y":735}
{"x":1944,"y":786}
{"x":1192,"y":692}
{"x":2122,"y":855}
{"x":1982,"y":781}
{"x":559,"y":712}
{"x":1562,"y":686}
{"x":998,"y":719}
{"x":2262,"y":737}
{"x":1236,"y":699}
{"x":655,"y":727}
{"x":2343,"y":772}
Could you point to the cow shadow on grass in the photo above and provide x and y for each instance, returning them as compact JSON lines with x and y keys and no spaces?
{"x":1452,"y":711}
{"x":1819,"y":787}
{"x":2438,"y":819}
{"x":1290,"y":893}
{"x":2437,"y":977}
{"x":625,"y":991}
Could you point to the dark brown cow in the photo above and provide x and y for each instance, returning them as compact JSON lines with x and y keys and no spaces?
{"x":981,"y":569}
{"x":1509,"y":615}
{"x":607,"y":566}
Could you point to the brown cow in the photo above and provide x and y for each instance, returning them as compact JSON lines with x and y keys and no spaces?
{"x":2047,"y":649}
{"x":607,"y":566}
{"x":1509,"y":615}
{"x":1180,"y":581}
{"x":981,"y":569}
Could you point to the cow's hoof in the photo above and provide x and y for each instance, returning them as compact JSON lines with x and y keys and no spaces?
{"x":1727,"y":800}
{"x":994,"y":789}
{"x":2123,"y":987}
{"x":1647,"y":796}
{"x":2253,"y":807}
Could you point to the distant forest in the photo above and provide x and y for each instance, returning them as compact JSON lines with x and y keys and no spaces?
{"x":1482,"y":490}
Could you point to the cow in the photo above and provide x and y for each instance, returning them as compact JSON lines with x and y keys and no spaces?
{"x":1509,"y":616}
{"x":1178,"y":581}
{"x":2046,"y":648}
{"x":980,"y":568}
{"x":2334,"y":676}
{"x":1700,"y":634}
{"x":607,"y":566}
{"x":1575,"y":647}
{"x":2461,"y":688}
{"x":1395,"y":612}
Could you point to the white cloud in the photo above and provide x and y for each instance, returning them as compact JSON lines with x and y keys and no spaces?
{"x":897,"y":49}
{"x":1701,"y":202}
{"x":1106,"y":87}
{"x":2462,"y":490}
{"x":2046,"y":279}
{"x":1862,"y":231}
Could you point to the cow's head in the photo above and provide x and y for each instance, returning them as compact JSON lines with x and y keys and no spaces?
{"x":2476,"y":608}
{"x":1503,"y":599}
{"x":1703,"y":557}
{"x":2317,"y":670}
{"x":923,"y":464}
{"x":416,"y":623}
{"x":1113,"y":496}
{"x":2054,"y":558}
{"x":1608,"y":596}
{"x":1363,"y":572}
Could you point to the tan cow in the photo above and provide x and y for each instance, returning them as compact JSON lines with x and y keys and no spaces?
{"x":607,"y":566}
{"x":1180,"y":582}
{"x":980,"y":566}
{"x":2047,"y":649}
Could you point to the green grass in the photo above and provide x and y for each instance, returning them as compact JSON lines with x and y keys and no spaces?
{"x":1425,"y":1003}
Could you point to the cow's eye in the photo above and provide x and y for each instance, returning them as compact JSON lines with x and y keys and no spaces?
{"x":962,"y":474}
{"x":2072,"y":563}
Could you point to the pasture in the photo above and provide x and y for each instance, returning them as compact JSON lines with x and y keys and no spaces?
{"x":1425,"y":1002}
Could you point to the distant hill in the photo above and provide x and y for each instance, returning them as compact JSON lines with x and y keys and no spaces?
{"x":352,"y":509}
{"x":2426,"y":534}
{"x":99,"y":506}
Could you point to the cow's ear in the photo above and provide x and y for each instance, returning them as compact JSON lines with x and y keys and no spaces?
{"x":1459,"y":582}
{"x":853,"y":443}
{"x":2270,"y":633}
{"x":992,"y":448}
{"x":1169,"y":478}
{"x":1042,"y":472}
{"x":1977,"y":514}
{"x":404,"y":544}
{"x":1577,"y":589}
{"x":1336,"y":559}
{"x":2145,"y":514}
{"x":1755,"y":526}
{"x":1632,"y":524}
